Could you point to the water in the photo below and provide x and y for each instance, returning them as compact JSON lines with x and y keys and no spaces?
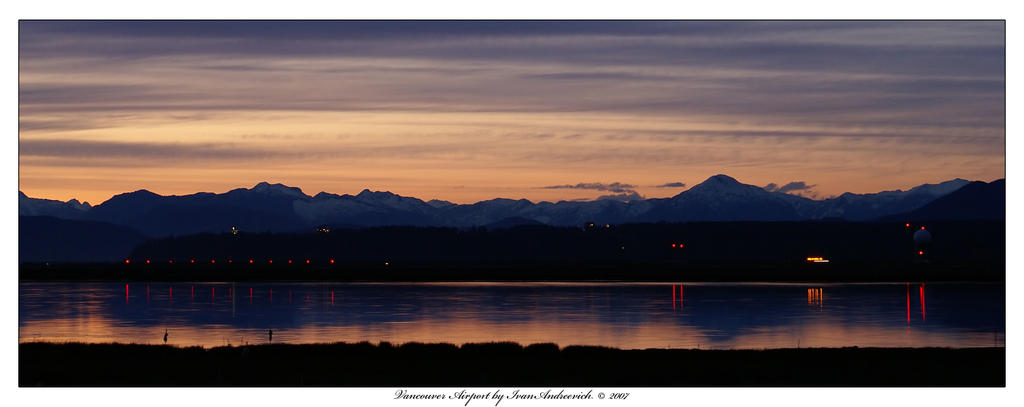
{"x":629,"y":316}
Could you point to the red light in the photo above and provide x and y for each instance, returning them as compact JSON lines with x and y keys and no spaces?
{"x":307,"y":261}
{"x":170,"y":261}
{"x":920,"y":253}
{"x":271,"y":262}
{"x":908,"y":224}
{"x":126,"y":261}
{"x":213,"y":261}
{"x":192,"y":260}
{"x":289,"y":261}
{"x":229,"y":260}
{"x":923,"y":316}
{"x":147,"y":261}
{"x":673,"y":245}
{"x":922,"y":227}
{"x":332,"y":261}
{"x":680,"y":245}
{"x":250,"y":261}
{"x":908,"y":303}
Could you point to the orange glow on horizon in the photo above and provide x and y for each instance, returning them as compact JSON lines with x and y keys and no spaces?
{"x":338,"y":121}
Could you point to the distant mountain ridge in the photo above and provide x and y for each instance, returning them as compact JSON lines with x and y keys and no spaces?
{"x":279,"y":208}
{"x":48,"y":207}
{"x":974,"y":201}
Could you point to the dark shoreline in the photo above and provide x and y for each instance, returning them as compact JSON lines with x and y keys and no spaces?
{"x":521,"y":271}
{"x":501,"y":364}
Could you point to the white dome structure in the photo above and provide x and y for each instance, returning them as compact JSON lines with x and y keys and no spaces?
{"x":922,"y":237}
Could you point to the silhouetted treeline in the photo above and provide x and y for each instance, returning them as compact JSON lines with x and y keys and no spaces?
{"x":500,"y":364}
{"x":49,"y":239}
{"x":696,"y":243}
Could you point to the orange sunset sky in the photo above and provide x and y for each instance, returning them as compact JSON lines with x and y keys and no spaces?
{"x":472,"y":110}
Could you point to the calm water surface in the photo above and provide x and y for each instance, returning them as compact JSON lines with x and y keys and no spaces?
{"x":629,"y":316}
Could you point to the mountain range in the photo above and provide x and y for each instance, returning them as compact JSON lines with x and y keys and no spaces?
{"x":279,"y":208}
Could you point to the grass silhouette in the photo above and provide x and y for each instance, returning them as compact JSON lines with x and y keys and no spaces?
{"x":365,"y":364}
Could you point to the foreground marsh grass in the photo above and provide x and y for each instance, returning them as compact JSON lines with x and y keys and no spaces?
{"x":499,"y":364}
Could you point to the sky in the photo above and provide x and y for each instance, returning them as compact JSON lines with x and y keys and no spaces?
{"x":472,"y":110}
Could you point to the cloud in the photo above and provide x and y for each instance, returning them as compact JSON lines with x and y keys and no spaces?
{"x":621,"y":192}
{"x":853,"y":75}
{"x":600,"y":76}
{"x":616,"y":187}
{"x":623,"y":197}
{"x":671,"y":185}
{"x":798,"y":186}
{"x":884,"y":99}
{"x":71,"y":149}
{"x":70,"y":152}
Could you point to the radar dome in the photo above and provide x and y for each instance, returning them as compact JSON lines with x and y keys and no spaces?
{"x":922,"y":237}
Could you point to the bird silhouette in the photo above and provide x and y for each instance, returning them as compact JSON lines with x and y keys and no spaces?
{"x":165,"y":336}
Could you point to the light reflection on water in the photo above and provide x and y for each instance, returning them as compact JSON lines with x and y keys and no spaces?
{"x":630,"y":316}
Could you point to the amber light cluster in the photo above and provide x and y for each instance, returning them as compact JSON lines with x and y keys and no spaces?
{"x":815,"y":296}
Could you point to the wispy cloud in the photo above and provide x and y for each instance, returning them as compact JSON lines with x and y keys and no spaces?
{"x":623,"y":197}
{"x":907,"y":100}
{"x":71,"y":149}
{"x":620,"y":191}
{"x":795,"y":186}
{"x":671,"y":185}
{"x":616,"y":187}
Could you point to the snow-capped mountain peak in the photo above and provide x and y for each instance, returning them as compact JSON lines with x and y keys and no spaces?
{"x":280,"y":189}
